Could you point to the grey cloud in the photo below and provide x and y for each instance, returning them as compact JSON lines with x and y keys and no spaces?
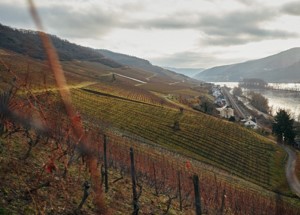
{"x":165,"y":23}
{"x":292,"y":8}
{"x":14,"y":15}
{"x":235,"y":28}
{"x":187,"y":59}
{"x":244,"y":39}
{"x":238,"y":18}
{"x":132,"y":6}
{"x":78,"y":24}
{"x":87,"y":21}
{"x":179,"y":20}
{"x":246,"y":2}
{"x":240,"y":28}
{"x":190,"y":19}
{"x":64,"y":20}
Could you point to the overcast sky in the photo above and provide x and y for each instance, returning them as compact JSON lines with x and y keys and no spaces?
{"x":176,"y":33}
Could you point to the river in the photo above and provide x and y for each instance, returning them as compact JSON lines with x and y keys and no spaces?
{"x":278,"y":99}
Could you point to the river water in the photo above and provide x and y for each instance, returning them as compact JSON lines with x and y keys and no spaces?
{"x":278,"y":99}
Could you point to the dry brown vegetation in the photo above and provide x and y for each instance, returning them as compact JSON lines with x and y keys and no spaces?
{"x":44,"y":167}
{"x":53,"y":159}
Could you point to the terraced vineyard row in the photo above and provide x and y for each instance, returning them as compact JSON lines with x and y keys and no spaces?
{"x":130,"y":92}
{"x":163,"y":172}
{"x":239,"y":152}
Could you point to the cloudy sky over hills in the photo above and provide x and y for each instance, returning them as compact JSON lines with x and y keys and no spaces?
{"x":178,"y":33}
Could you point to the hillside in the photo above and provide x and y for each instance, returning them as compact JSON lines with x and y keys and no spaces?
{"x":53,"y":154}
{"x":190,"y":72}
{"x":28,"y":43}
{"x":139,"y":63}
{"x":224,"y":155}
{"x":148,"y":111}
{"x":281,"y":67}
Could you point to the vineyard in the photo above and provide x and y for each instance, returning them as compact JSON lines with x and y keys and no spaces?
{"x":200,"y":137}
{"x":163,"y":177}
{"x":122,"y":151}
{"x":129,"y":92}
{"x":171,"y":175}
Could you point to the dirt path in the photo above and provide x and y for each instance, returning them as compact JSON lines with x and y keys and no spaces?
{"x":152,"y":76}
{"x":76,"y":86}
{"x":290,"y":171}
{"x":134,"y":79}
{"x":290,"y":175}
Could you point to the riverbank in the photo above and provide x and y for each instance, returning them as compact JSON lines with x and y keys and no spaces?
{"x":282,"y":96}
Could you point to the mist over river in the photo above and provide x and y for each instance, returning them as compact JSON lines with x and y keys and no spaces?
{"x":288,"y":97}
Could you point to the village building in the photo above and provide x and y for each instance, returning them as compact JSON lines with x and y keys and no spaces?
{"x":219,"y":97}
{"x":249,"y":123}
{"x":226,"y":112}
{"x":220,"y":101}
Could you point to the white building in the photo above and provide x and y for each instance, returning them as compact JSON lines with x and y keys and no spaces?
{"x":226,"y":112}
{"x":250,"y":124}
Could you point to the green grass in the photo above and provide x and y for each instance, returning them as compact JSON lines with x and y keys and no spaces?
{"x":222,"y":144}
{"x":279,"y":180}
{"x":3,"y":211}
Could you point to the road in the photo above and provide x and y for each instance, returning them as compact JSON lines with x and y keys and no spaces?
{"x":249,"y":106}
{"x":152,"y":76}
{"x":134,"y":79}
{"x":292,"y":179}
{"x":177,"y":82}
{"x":76,"y":86}
{"x":290,"y":170}
{"x":232,"y":102}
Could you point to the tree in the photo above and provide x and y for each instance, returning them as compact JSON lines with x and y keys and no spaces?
{"x":231,"y":119}
{"x":176,"y":126}
{"x":259,"y":102}
{"x":253,"y":83}
{"x":206,"y":105}
{"x":283,"y":127}
{"x":113,"y":77}
{"x":237,"y":91}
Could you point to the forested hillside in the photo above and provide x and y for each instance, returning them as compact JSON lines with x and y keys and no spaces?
{"x":29,"y":43}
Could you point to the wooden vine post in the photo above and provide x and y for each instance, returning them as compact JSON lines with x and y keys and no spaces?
{"x":197,"y":194}
{"x":105,"y":163}
{"x":179,"y":190}
{"x":134,"y":183}
{"x":223,"y":202}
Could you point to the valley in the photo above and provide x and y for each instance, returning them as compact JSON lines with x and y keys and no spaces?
{"x":127,"y":124}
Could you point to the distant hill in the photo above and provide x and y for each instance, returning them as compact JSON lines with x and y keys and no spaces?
{"x":281,"y":67}
{"x":190,"y":72}
{"x":28,"y":43}
{"x":135,"y":62}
